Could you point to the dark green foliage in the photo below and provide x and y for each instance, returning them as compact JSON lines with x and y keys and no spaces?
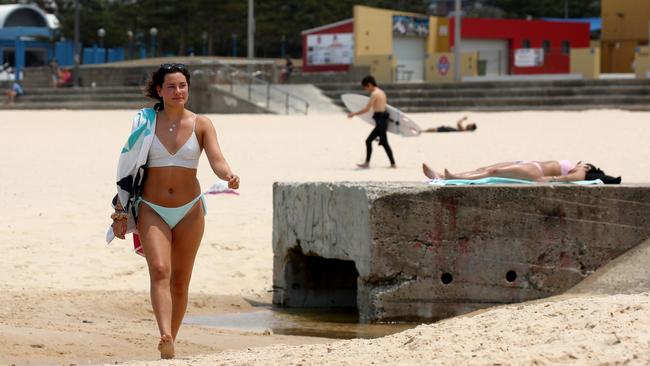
{"x":548,"y":8}
{"x":181,"y":24}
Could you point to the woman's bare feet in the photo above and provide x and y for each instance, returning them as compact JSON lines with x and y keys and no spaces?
{"x":166,"y":347}
{"x":450,"y":175}
{"x":430,"y":173}
{"x":363,"y":165}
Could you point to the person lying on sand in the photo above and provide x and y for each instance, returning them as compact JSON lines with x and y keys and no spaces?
{"x":459,"y":127}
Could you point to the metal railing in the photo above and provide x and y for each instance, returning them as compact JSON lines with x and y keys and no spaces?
{"x":252,"y":87}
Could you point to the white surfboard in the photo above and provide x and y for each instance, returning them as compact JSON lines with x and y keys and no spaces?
{"x":398,"y":122}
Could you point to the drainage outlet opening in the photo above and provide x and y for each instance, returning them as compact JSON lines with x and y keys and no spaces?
{"x":446,"y":278}
{"x":511,"y":276}
{"x":317,"y":282}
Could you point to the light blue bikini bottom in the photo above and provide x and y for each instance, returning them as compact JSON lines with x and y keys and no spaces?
{"x":173,"y":215}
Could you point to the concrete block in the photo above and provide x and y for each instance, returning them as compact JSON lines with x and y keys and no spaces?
{"x":408,"y":251}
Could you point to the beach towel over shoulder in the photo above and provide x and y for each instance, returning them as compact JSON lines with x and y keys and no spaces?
{"x":131,"y":166}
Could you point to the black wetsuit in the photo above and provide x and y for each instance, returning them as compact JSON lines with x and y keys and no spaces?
{"x":381,"y":124}
{"x":446,"y":129}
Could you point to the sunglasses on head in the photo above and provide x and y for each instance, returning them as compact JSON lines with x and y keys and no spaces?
{"x":173,"y":67}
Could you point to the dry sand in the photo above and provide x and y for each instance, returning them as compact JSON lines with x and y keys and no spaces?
{"x":66,"y":297}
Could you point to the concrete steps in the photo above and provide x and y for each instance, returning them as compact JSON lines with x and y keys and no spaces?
{"x":509,"y":95}
{"x":81,"y":98}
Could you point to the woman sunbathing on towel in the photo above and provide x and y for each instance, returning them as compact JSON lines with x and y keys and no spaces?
{"x":541,"y":171}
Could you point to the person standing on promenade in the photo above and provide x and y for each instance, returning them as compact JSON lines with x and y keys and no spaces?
{"x":377,"y":103}
{"x":159,"y":196}
{"x":55,"y":72}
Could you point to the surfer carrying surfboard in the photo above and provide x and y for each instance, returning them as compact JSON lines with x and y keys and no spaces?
{"x":377,"y":103}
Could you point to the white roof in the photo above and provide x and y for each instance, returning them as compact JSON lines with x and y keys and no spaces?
{"x":7,"y":10}
{"x":327,"y":26}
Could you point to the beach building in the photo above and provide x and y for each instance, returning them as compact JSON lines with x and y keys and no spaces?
{"x":402,"y":46}
{"x":626,"y":31}
{"x":25,"y":34}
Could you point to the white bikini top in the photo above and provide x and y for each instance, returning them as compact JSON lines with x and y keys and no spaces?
{"x":187,"y":156}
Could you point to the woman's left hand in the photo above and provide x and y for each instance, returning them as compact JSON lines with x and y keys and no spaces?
{"x":233,"y":181}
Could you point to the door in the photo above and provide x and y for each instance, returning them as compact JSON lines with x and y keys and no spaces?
{"x":492,"y":55}
{"x":409,"y":53}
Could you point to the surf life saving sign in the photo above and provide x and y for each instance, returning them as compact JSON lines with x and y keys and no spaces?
{"x":330,"y":49}
{"x":529,"y":57}
{"x":443,"y":65}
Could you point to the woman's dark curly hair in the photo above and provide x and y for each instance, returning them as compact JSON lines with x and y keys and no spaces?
{"x":596,"y":173}
{"x":158,"y":77}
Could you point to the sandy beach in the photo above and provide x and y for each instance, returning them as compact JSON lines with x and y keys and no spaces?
{"x":68,"y":298}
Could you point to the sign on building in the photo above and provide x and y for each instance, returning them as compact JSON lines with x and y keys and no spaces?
{"x":410,"y":26}
{"x":330,"y":49}
{"x":443,"y":65}
{"x":529,"y":57}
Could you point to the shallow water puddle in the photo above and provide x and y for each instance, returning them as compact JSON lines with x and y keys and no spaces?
{"x":312,"y":323}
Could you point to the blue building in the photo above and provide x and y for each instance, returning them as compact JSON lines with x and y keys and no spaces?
{"x":27,"y":37}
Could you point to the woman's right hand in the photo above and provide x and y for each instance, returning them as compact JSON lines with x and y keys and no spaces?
{"x":119,"y":228}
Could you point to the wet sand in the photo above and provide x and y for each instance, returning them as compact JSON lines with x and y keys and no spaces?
{"x":66,"y":297}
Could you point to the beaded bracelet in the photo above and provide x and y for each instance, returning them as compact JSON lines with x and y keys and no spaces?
{"x":119,"y":216}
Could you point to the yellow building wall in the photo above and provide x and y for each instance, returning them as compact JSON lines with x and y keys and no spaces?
{"x":439,"y":33}
{"x":468,"y":64}
{"x":642,"y":62}
{"x":373,"y":30}
{"x":373,"y":40}
{"x":382,"y":67}
{"x":586,"y":62}
{"x":626,"y":24}
{"x":617,"y":56}
{"x":625,"y":19}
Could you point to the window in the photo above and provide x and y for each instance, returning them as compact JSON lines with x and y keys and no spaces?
{"x":546,"y":45}
{"x":525,"y":43}
{"x":566,"y":47}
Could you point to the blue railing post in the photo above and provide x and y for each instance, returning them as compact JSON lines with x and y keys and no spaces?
{"x":19,"y":58}
{"x":268,"y":95}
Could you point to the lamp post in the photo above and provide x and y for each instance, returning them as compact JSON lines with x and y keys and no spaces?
{"x":457,"y":41}
{"x":129,"y":35}
{"x":283,"y":49}
{"x":77,"y":45}
{"x":251,"y":29}
{"x":204,"y":37}
{"x":101,"y":33}
{"x":153,"y":32}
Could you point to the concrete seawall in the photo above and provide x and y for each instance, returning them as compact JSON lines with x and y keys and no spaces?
{"x":407,"y":251}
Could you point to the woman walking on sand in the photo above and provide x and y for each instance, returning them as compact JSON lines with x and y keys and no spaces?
{"x":159,"y":195}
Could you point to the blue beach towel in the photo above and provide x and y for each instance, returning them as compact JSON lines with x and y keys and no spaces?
{"x":496,"y":180}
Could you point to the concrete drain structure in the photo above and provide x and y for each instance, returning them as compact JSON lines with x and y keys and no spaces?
{"x":411,"y":252}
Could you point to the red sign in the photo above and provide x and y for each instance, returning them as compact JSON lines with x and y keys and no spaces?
{"x":443,"y":65}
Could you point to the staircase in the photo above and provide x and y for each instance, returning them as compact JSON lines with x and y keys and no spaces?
{"x":81,"y":98}
{"x":630,"y":94}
